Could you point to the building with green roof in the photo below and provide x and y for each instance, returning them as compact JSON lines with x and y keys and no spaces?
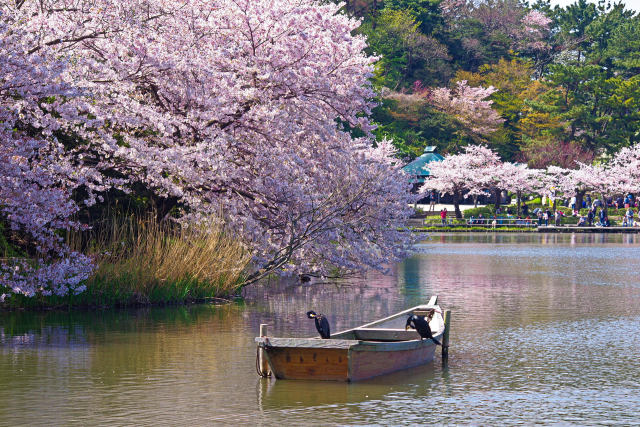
{"x":418,"y":169}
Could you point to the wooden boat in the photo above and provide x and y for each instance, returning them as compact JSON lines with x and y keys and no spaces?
{"x":367,"y":351}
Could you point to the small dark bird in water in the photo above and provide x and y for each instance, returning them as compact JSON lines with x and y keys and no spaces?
{"x":322,"y":324}
{"x":421,"y":325}
{"x":305,"y":278}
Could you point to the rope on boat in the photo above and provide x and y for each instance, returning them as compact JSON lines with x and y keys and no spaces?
{"x":258,"y":370}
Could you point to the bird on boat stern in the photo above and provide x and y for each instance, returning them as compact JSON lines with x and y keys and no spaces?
{"x":421,"y":325}
{"x":322,"y":324}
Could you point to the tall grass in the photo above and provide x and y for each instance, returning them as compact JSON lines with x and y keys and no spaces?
{"x":142,"y":261}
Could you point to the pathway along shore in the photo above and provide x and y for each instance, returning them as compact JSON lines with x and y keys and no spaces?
{"x":464,"y":228}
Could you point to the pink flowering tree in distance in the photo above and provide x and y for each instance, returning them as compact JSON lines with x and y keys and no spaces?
{"x":577,"y":182}
{"x":469,"y":105}
{"x":574,"y":182}
{"x":519,"y":179}
{"x":211,"y":105}
{"x":463,"y":174}
{"x":556,"y":181}
{"x":622,"y":173}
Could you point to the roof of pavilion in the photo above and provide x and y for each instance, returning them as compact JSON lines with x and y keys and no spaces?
{"x":418,"y":168}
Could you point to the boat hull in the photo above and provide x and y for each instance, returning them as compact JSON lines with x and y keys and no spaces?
{"x":349,"y":363}
{"x":368,"y":364}
{"x":309,"y":363}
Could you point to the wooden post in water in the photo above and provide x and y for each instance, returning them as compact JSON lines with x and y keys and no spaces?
{"x":264,"y":365}
{"x":445,"y":337}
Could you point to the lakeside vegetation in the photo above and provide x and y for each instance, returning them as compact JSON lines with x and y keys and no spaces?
{"x":89,"y":137}
{"x":140,"y":261}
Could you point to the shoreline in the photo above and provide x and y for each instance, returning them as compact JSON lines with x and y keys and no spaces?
{"x":6,"y":308}
{"x":544,"y":229}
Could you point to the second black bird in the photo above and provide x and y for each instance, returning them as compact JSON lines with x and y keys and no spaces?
{"x":420,"y":324}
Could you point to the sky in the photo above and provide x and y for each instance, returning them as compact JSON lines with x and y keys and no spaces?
{"x":631,"y":4}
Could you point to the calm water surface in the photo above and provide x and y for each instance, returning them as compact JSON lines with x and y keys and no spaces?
{"x":545,"y":329}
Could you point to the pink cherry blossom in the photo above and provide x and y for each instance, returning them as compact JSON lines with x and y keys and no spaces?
{"x":227,"y":107}
{"x":464,"y":174}
{"x":469,"y":105}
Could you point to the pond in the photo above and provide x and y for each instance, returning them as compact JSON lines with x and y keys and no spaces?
{"x":545,"y":329}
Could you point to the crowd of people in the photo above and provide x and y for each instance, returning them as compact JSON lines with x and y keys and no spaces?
{"x":596,"y":214}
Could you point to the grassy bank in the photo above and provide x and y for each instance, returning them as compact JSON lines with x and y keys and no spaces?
{"x":143,"y":262}
{"x":441,"y":229}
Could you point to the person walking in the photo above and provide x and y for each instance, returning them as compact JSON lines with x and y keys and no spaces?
{"x":629,"y":217}
{"x":432,"y":201}
{"x":558,"y":216}
{"x":590,"y":215}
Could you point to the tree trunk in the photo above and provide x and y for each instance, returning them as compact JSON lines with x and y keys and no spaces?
{"x":475,"y":200}
{"x":579,"y":199}
{"x":456,"y":204}
{"x":496,"y":198}
{"x":519,"y":197}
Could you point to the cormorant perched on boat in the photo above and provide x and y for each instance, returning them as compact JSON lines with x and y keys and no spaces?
{"x":421,"y":325}
{"x":322,"y":324}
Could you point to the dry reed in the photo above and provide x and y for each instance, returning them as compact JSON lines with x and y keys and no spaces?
{"x":144,"y":261}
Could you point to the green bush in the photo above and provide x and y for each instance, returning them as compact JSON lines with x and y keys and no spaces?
{"x":486,"y":211}
{"x":611,"y":211}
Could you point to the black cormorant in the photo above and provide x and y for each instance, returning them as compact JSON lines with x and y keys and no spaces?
{"x":421,"y":325}
{"x":305,"y":278}
{"x":322,"y":324}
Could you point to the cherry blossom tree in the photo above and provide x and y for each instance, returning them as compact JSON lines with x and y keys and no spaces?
{"x":534,"y":29}
{"x":37,"y":176}
{"x":463,"y":174}
{"x":587,"y":178}
{"x":214,"y":105}
{"x":469,"y":105}
{"x":518,"y":179}
{"x":622,"y":173}
{"x":576,"y":182}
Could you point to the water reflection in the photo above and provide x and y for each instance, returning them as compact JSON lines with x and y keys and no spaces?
{"x":545,"y":329}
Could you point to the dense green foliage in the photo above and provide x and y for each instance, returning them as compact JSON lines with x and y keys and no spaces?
{"x":568,"y":90}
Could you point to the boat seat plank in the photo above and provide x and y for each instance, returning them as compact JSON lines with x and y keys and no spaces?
{"x":370,"y":334}
{"x":305,"y":342}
